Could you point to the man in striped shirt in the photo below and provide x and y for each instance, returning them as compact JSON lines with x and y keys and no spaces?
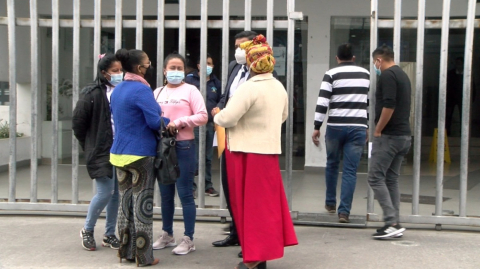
{"x":344,"y":94}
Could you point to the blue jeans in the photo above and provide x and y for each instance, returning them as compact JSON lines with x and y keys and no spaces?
{"x":210,"y":131}
{"x":350,"y":140}
{"x":186,"y":161}
{"x":106,"y":196}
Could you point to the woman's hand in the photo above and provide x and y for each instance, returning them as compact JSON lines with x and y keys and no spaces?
{"x":172,"y":128}
{"x":215,"y":111}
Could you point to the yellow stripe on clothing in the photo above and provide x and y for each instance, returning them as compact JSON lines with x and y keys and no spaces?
{"x":121,"y":160}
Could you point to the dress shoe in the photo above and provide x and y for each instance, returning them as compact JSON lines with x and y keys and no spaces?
{"x":240,"y":255}
{"x":229,"y":241}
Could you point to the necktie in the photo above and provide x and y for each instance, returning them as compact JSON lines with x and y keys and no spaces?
{"x":244,"y":72}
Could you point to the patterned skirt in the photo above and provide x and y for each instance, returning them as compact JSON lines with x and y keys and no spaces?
{"x":135,"y":184}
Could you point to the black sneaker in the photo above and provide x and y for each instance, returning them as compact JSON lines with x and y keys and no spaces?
{"x":111,"y":241}
{"x":389,"y":231}
{"x":88,"y":241}
{"x":212,"y":192}
{"x":400,"y":235}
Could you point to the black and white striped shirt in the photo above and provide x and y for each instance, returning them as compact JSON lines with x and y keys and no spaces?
{"x":344,"y":93}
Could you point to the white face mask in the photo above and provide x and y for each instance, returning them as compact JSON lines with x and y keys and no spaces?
{"x":240,"y":56}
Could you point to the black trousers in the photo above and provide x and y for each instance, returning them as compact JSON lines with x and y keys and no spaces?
{"x":233,"y":229}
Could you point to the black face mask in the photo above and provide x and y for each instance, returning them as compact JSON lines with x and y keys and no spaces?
{"x":150,"y":72}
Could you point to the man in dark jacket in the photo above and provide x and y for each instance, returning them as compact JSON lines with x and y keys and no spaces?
{"x":237,"y":74}
{"x":214,"y":93}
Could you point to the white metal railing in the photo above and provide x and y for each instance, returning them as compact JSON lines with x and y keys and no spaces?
{"x":97,"y":23}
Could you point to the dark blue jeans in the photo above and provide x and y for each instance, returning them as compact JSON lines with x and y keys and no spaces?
{"x":186,"y":162}
{"x":350,"y":140}
{"x":210,"y":131}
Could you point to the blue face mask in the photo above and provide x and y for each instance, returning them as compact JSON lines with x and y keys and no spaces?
{"x":377,"y":70}
{"x":209,"y":70}
{"x":175,"y":77}
{"x":115,"y":79}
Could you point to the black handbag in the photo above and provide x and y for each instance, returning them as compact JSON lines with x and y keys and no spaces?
{"x":166,"y":166}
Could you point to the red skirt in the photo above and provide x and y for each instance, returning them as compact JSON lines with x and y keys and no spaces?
{"x":259,"y":205}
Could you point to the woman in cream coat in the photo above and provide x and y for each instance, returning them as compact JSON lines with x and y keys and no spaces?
{"x":253,"y":120}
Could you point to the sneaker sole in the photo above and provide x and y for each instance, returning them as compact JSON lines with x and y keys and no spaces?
{"x":109,"y":245}
{"x":169,"y":245}
{"x":397,"y":236}
{"x":184,"y":253}
{"x":89,"y":249}
{"x":342,"y":220}
{"x":399,"y":231}
{"x":212,"y":195}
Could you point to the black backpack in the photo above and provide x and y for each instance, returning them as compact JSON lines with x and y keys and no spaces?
{"x":166,"y":166}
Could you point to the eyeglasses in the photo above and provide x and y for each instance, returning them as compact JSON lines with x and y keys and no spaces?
{"x":149,"y":64}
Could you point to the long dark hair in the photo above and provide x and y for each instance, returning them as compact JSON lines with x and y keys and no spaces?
{"x":103,"y":64}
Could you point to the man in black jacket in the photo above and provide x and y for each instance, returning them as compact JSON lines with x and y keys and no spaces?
{"x":214,"y":93}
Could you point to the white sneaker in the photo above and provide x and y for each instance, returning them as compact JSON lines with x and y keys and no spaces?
{"x":185,"y":247}
{"x":164,"y":241}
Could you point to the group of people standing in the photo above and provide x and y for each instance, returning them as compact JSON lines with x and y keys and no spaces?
{"x":117,"y":121}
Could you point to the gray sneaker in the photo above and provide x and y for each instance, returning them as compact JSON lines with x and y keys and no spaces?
{"x":185,"y":247}
{"x":164,"y":241}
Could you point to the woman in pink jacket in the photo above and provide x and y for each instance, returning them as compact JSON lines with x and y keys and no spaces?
{"x":183,"y":104}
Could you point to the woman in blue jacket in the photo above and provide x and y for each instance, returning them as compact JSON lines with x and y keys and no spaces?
{"x":137,"y":120}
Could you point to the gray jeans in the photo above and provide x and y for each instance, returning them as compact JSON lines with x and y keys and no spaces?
{"x":387,"y":156}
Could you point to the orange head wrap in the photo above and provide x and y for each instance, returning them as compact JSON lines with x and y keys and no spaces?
{"x":259,"y":55}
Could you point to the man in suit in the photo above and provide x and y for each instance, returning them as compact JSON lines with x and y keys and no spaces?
{"x":237,"y":74}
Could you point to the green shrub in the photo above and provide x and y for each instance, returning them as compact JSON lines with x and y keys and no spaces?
{"x":5,"y":130}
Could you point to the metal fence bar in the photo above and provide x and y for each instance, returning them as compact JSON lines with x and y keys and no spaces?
{"x":429,"y":24}
{"x":75,"y":94}
{"x":97,"y":34}
{"x":373,"y":87}
{"x":160,"y":41}
{"x":467,"y":77}
{"x":182,"y":31}
{"x":290,"y":88}
{"x":270,"y":22}
{"x":55,"y":75}
{"x":118,"y":24}
{"x":225,"y":63}
{"x":417,"y":146}
{"x":397,"y":30}
{"x":160,"y":52}
{"x":139,"y":34}
{"x":34,"y":103}
{"x":12,"y":60}
{"x":169,"y":24}
{"x":441,"y":107}
{"x":203,"y":90}
{"x":248,"y":15}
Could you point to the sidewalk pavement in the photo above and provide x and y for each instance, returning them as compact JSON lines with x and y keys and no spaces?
{"x":54,"y":242}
